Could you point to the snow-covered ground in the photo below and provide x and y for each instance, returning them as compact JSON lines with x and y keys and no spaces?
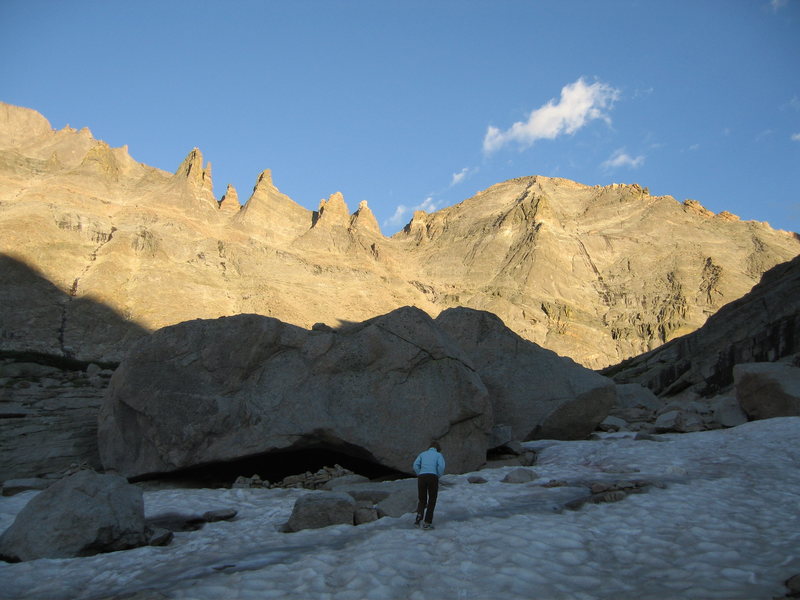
{"x":727,"y":525}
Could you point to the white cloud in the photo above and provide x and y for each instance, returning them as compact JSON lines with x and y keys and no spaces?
{"x":796,"y":137}
{"x":621,"y":159}
{"x":399,"y":216}
{"x":428,"y":205}
{"x":579,"y":104}
{"x":461,"y":175}
{"x":778,"y":4}
{"x":457,"y":177}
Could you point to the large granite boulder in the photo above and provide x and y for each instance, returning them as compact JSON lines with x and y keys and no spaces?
{"x":207,"y":391}
{"x":767,"y":390}
{"x":84,"y":514}
{"x":535,"y":391}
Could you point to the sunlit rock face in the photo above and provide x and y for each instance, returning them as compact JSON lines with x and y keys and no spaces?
{"x":598,"y":274}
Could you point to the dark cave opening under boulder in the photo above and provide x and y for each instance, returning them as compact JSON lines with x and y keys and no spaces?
{"x":271,"y":466}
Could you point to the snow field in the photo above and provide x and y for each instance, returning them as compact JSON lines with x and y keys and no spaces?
{"x":726,"y":525}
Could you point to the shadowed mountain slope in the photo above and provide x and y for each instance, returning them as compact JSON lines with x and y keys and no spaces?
{"x":762,"y":326}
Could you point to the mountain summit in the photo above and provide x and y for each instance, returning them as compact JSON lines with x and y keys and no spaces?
{"x":595,"y":273}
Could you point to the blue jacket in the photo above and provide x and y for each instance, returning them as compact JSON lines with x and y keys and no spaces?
{"x":429,"y":461}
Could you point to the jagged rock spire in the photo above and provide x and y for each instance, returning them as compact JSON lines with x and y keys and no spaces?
{"x":264,"y":180}
{"x":230,"y":201}
{"x":192,"y":170}
{"x":364,"y":219}
{"x":333,"y":211}
{"x":270,"y":213}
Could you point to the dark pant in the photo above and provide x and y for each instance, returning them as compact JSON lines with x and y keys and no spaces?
{"x":428,"y":487}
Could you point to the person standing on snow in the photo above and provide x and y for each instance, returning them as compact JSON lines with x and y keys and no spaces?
{"x":428,"y":466}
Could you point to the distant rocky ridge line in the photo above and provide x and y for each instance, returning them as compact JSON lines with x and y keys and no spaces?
{"x":104,"y":249}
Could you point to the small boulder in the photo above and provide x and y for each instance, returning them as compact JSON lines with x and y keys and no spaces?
{"x":11,"y":487}
{"x":727,"y":412}
{"x":476,"y":479}
{"x":767,"y":390}
{"x":81,"y":515}
{"x":365,"y":514}
{"x":669,"y":421}
{"x":344,"y":480}
{"x":401,"y":501}
{"x":611,"y":423}
{"x":173,"y":521}
{"x":159,"y":537}
{"x":793,"y":583}
{"x":221,"y":514}
{"x":321,"y":509}
{"x":500,"y":436}
{"x":520,"y":475}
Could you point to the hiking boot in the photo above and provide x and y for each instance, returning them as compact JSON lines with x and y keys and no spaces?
{"x":417,"y":521}
{"x":428,"y":526}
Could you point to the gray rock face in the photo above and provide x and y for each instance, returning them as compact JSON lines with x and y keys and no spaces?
{"x":12,"y":487}
{"x":209,"y":391}
{"x":81,"y":515}
{"x":762,"y":326}
{"x":48,"y":419}
{"x":321,"y":509}
{"x":766,"y":390}
{"x":727,"y":411}
{"x":540,"y":394}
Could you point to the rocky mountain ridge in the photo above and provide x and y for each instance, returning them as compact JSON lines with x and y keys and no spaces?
{"x":100,"y":249}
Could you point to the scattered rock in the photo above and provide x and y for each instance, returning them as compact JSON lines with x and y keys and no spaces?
{"x":365,"y":514}
{"x":766,"y":390}
{"x":159,"y":537}
{"x":727,"y":412}
{"x":500,"y":436}
{"x":321,"y":509}
{"x":669,"y":421}
{"x":520,"y":476}
{"x":401,"y":501}
{"x":793,"y":583}
{"x":173,"y":521}
{"x":612,"y":496}
{"x":222,"y":514}
{"x":476,"y":479}
{"x":12,"y":487}
{"x":84,"y":514}
{"x":344,"y":480}
{"x":613,"y":424}
{"x":514,"y":447}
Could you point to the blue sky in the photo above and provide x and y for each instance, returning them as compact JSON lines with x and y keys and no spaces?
{"x":421,"y":104}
